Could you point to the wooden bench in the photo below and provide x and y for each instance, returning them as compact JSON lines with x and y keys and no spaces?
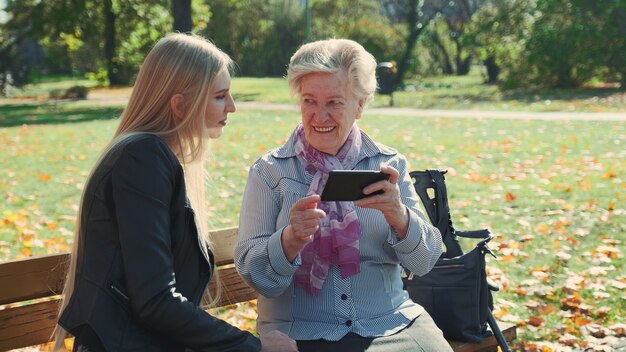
{"x":29,"y":296}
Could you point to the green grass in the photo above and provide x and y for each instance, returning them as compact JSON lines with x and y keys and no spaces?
{"x":446,"y":92}
{"x":454,"y":92}
{"x":266,"y":90}
{"x":470,"y":93}
{"x":552,"y":191}
{"x":42,"y":86}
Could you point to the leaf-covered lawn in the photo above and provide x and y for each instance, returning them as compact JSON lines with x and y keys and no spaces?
{"x":552,"y":192}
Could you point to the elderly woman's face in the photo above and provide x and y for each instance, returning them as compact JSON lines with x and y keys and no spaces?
{"x":328,"y":110}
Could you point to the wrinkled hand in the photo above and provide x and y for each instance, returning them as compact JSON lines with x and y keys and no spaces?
{"x":304,"y":220}
{"x":276,"y":341}
{"x":389,"y":203}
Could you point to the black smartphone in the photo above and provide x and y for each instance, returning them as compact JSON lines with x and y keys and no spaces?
{"x":347,"y":185}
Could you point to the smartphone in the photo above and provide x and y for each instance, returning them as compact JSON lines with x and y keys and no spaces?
{"x":347,"y":185}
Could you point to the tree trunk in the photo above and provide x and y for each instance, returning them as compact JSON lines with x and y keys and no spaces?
{"x":446,"y":65}
{"x":110,"y":44}
{"x":4,"y":68}
{"x":181,"y":10}
{"x":462,"y":65}
{"x":3,"y":83}
{"x":414,"y":33}
{"x":493,"y":70}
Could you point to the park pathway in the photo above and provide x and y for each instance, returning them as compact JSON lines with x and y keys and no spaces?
{"x":471,"y":114}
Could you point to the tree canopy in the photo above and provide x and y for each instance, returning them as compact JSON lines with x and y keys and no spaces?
{"x":521,"y":43}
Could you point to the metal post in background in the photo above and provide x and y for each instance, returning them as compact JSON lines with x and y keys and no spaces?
{"x":309,"y":32}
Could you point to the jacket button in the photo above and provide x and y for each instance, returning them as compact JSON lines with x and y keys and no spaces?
{"x":344,"y":296}
{"x":349,"y":323}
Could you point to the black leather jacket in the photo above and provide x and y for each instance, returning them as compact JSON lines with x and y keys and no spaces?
{"x":140,"y":272}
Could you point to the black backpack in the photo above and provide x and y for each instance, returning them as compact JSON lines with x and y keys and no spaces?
{"x":455,"y":292}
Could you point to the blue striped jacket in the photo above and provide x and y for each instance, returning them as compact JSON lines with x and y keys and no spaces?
{"x":371,"y":303}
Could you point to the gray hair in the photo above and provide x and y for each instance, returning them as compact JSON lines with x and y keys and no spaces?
{"x":335,"y":56}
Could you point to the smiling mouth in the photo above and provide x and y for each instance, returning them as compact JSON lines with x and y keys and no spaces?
{"x":223,"y":122}
{"x":323,"y":129}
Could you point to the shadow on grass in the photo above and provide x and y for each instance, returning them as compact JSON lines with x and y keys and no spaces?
{"x":480,"y":91}
{"x":469,"y":97}
{"x":39,"y":114}
{"x":562,"y":94}
{"x":530,"y":96}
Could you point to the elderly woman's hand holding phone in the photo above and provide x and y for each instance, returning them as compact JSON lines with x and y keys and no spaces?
{"x":305,"y":217}
{"x":388,"y":202}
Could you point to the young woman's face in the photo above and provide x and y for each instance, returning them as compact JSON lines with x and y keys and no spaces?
{"x":220,"y":104}
{"x":328,"y":110}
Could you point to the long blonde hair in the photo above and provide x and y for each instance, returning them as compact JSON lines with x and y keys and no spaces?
{"x":178,"y":64}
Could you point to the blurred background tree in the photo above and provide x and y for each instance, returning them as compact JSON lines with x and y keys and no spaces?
{"x":518,"y":43}
{"x":572,"y":42}
{"x":260,"y":35}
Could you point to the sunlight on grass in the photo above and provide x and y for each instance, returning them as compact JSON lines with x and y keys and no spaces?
{"x":551,"y":191}
{"x":444,"y":92}
{"x":265,"y":90}
{"x":454,"y":92}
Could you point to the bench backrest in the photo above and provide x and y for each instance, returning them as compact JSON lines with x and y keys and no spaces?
{"x":30,"y":292}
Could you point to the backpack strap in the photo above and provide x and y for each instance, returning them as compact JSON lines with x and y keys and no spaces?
{"x":444,"y":221}
{"x":437,"y":207}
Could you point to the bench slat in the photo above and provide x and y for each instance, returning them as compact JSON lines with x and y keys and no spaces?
{"x":489,"y":344}
{"x":223,"y":244}
{"x":26,"y":279}
{"x":234,"y":289}
{"x":33,"y":324}
{"x":40,"y":277}
{"x":27,"y":325}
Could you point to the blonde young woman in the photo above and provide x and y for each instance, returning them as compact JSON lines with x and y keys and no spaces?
{"x":142,"y":259}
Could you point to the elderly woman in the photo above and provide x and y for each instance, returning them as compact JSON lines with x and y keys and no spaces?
{"x":329,"y":273}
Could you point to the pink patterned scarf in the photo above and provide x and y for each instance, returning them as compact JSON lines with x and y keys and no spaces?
{"x":337,"y":240}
